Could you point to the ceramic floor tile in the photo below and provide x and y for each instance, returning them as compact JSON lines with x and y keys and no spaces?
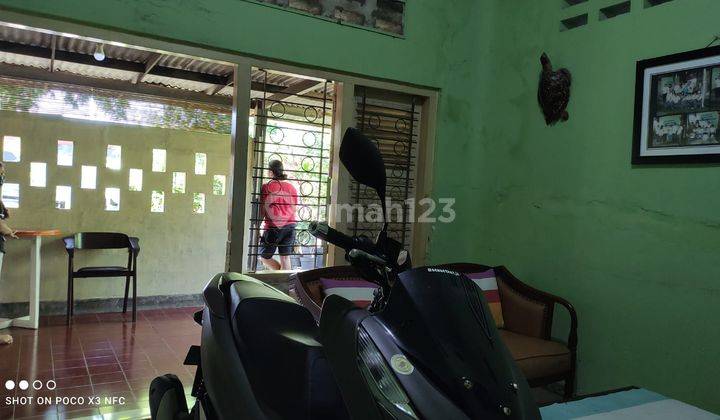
{"x":70,"y":372}
{"x":104,"y":378}
{"x":73,"y":382}
{"x":97,"y":356}
{"x":97,"y":369}
{"x":111,"y":387}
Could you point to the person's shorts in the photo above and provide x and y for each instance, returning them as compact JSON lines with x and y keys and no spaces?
{"x":275,"y":238}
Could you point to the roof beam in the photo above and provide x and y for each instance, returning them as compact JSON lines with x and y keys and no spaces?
{"x":112,"y":63}
{"x":150,"y":63}
{"x":172,"y":73}
{"x":228,"y":82}
{"x":142,"y":69}
{"x":35,"y":74}
{"x":296,"y":89}
{"x":52,"y":53}
{"x":32,"y":73}
{"x":70,"y":57}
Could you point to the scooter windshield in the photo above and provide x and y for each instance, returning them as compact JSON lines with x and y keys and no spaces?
{"x":441,"y":321}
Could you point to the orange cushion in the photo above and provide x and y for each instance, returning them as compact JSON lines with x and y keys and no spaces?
{"x":535,"y":357}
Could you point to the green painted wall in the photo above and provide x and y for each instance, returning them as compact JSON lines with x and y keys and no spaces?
{"x":635,"y":249}
{"x":434,"y":52}
{"x":180,"y":250}
{"x":250,"y":28}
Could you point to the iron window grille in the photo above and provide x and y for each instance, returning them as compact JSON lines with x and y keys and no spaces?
{"x":295,"y":127}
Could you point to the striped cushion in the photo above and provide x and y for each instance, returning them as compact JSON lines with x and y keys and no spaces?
{"x":355,"y":289}
{"x":487,"y":282}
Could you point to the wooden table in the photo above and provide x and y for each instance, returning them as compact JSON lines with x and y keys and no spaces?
{"x":31,"y":320}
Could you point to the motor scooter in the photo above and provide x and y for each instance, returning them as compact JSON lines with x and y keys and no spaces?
{"x":426,"y":347}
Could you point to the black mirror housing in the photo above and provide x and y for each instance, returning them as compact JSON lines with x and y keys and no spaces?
{"x":363,"y":160}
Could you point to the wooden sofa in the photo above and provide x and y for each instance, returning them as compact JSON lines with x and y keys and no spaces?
{"x":528,"y":315}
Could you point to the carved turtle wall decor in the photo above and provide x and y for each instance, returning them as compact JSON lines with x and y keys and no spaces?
{"x":554,"y":91}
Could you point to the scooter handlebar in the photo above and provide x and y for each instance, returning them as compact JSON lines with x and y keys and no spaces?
{"x":357,"y":254}
{"x":323,"y":231}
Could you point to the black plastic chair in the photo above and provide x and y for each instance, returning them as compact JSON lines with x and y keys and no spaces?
{"x":102,"y":240}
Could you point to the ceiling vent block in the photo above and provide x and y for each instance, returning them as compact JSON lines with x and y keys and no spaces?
{"x":653,"y":3}
{"x":573,"y":22}
{"x":615,"y":10}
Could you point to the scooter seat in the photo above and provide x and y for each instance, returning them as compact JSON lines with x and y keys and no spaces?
{"x":285,"y":364}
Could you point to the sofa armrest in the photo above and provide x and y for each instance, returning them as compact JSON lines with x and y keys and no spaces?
{"x":309,"y":288}
{"x":303,"y":294}
{"x":529,"y":311}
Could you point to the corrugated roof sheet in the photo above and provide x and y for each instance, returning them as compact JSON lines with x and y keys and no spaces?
{"x":94,"y":71}
{"x":178,"y":83}
{"x":25,"y":36}
{"x":72,"y":43}
{"x":24,"y":60}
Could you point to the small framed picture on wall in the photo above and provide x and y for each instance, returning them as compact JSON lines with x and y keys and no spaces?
{"x":677,"y":108}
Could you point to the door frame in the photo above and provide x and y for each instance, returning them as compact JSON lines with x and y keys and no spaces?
{"x":239,"y":186}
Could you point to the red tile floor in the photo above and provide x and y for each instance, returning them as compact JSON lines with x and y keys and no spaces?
{"x":100,"y":355}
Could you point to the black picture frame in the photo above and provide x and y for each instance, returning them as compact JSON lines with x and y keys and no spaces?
{"x":647,"y":103}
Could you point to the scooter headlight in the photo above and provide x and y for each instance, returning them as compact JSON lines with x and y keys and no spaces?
{"x":379,"y":376}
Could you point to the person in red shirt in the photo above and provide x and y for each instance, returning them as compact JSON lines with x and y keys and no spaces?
{"x":278,"y":202}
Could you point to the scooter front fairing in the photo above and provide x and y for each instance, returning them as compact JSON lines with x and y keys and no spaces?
{"x":433,"y":352}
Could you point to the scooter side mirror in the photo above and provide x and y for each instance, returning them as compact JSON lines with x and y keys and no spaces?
{"x":363,"y":160}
